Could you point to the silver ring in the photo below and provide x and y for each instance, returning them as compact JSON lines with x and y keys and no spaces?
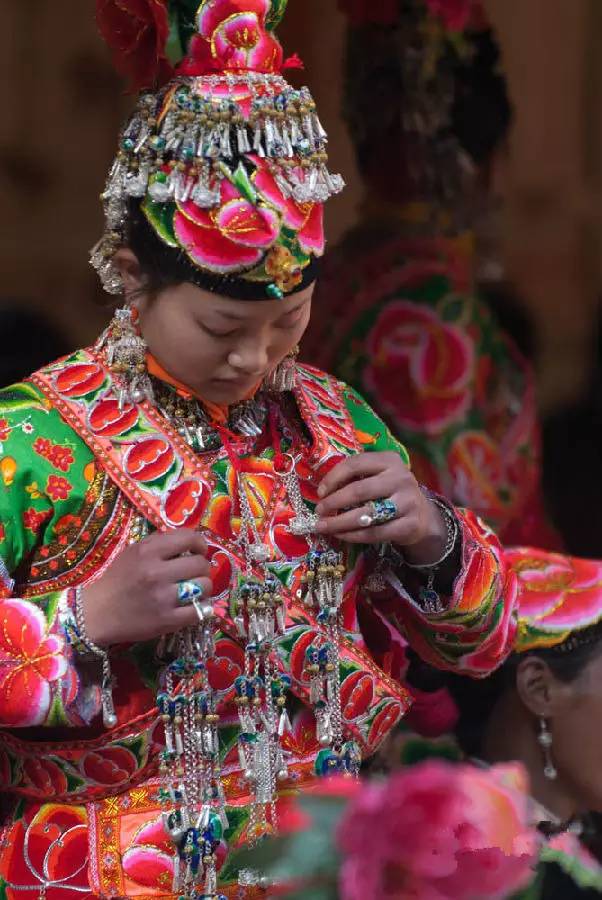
{"x":189,"y":592}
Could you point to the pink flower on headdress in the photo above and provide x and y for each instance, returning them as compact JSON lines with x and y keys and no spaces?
{"x":232,"y":34}
{"x":438,"y":831}
{"x":306,"y":219}
{"x":236,"y":236}
{"x":136,"y":32}
{"x":232,"y":238}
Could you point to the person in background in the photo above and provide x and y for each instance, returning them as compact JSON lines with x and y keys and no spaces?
{"x":401,"y":316}
{"x":541,"y":708}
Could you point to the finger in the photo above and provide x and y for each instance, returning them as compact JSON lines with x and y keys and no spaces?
{"x":392,"y":532}
{"x":186,"y":568}
{"x":351,"y":521}
{"x":183,"y":617}
{"x":170,"y":544}
{"x":359,"y":492}
{"x":206,"y":586}
{"x":358,"y":466}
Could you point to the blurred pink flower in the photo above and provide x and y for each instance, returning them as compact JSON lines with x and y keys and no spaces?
{"x":456,"y":15}
{"x":439,"y":831}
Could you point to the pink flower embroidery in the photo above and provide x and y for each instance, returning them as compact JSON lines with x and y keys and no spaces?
{"x":30,"y":661}
{"x":233,"y":36}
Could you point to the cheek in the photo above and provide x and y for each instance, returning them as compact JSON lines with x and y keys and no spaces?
{"x":577,"y":750}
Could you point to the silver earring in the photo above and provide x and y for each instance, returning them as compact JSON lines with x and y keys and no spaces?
{"x":125,"y":352}
{"x":284,"y":376}
{"x":544,"y":739}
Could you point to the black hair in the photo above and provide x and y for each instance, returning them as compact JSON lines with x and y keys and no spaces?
{"x":164,"y":266}
{"x":476,"y":699}
{"x":375,"y":88}
{"x":482,"y":112}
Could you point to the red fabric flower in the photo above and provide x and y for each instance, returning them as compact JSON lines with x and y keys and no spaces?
{"x":136,"y":32}
{"x":233,"y":35}
{"x":42,"y":446}
{"x":5,"y":430}
{"x":33,"y":519}
{"x":61,"y":458}
{"x":58,"y":488}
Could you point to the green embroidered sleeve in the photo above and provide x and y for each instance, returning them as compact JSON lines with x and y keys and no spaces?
{"x":45,"y":472}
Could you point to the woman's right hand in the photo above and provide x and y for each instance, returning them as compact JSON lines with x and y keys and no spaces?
{"x":136,"y":599}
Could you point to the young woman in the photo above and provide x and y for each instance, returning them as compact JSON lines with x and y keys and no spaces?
{"x":542,"y":706}
{"x":189,"y":520}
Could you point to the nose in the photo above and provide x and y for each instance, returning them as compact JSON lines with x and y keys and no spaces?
{"x":250,"y":358}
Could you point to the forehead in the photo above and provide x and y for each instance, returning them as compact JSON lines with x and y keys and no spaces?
{"x":208,"y":304}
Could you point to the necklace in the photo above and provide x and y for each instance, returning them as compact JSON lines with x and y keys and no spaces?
{"x":193,"y":791}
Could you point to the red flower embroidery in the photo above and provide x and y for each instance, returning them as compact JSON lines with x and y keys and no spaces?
{"x":61,"y":458}
{"x":2,"y":532}
{"x":58,"y":488}
{"x":5,"y":430}
{"x":33,"y":518}
{"x":136,"y":32}
{"x":42,"y":446}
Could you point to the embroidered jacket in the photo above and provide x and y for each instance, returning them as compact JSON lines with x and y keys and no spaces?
{"x":78,"y":479}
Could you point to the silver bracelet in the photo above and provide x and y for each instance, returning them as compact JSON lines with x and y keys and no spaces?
{"x":109,"y":718}
{"x":430,"y":600}
{"x":453,"y":530}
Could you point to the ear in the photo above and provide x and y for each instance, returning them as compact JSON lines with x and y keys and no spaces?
{"x":129,"y":270}
{"x":541,"y":692}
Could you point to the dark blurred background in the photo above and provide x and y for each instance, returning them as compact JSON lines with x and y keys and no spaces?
{"x":61,"y":109}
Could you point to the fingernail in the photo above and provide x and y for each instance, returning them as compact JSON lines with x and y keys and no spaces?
{"x":321,"y":490}
{"x":319,"y":509}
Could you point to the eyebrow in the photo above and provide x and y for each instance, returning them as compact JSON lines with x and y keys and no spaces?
{"x":233,"y":317}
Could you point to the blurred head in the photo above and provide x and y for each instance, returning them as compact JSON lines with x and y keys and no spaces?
{"x":418,"y":136}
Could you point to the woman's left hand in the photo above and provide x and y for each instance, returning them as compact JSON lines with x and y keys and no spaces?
{"x":345,"y":495}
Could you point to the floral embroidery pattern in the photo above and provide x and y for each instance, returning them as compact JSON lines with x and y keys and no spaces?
{"x":31,"y":661}
{"x":33,"y":519}
{"x":58,"y":488}
{"x":57,"y":455}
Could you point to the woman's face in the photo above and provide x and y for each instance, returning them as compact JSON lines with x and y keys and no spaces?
{"x":218,"y":347}
{"x":576,"y":727}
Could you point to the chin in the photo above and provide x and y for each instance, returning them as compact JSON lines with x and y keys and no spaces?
{"x":227,"y":394}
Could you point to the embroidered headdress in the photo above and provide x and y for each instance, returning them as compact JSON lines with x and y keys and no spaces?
{"x":226,"y":161}
{"x":560,"y":600}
